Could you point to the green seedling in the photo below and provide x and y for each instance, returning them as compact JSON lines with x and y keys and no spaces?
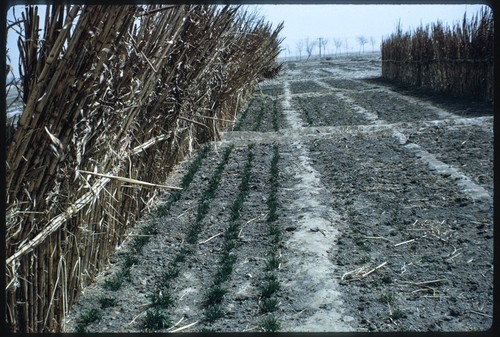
{"x":268,"y":305}
{"x":275,"y":232}
{"x":230,"y":245}
{"x":129,"y":261}
{"x":163,"y":210}
{"x":215,"y":295}
{"x":271,"y":277}
{"x":228,"y":259}
{"x":387,"y":298}
{"x":170,"y":273}
{"x":116,"y":282}
{"x":274,"y":249}
{"x":90,"y":316}
{"x":156,"y":320}
{"x":209,"y":330}
{"x":213,"y":313}
{"x":140,"y":241}
{"x":180,"y":257}
{"x":81,"y":328}
{"x":397,"y":314}
{"x":223,"y":275}
{"x":272,"y":263}
{"x":270,"y":324}
{"x":269,"y":288}
{"x":107,"y":302}
{"x":365,"y":259}
{"x":193,"y":234}
{"x":162,"y":299}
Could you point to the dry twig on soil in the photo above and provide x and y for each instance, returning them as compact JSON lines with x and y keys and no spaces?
{"x":374,"y":269}
{"x":404,"y":242}
{"x":210,"y":238}
{"x":184,"y":327}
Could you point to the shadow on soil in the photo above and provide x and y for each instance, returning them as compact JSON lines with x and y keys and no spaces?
{"x":463,"y":106}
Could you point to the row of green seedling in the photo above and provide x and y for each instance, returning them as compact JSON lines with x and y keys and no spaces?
{"x":276,"y":114}
{"x":215,"y":295}
{"x":194,"y":167}
{"x":243,"y":116}
{"x":268,"y":303}
{"x":117,"y":280}
{"x":260,"y":115}
{"x":162,"y":297}
{"x":309,"y":119}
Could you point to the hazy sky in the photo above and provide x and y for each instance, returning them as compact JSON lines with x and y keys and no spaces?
{"x":350,"y":21}
{"x":339,"y":22}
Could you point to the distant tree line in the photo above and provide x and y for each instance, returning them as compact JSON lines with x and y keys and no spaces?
{"x":308,"y":46}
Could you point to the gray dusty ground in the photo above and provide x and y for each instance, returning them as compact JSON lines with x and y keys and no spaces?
{"x":384,"y":217}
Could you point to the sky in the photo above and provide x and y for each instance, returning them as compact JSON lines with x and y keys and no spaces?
{"x":341,"y":22}
{"x":350,"y":21}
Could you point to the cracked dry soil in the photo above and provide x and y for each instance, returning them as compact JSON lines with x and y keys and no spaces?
{"x":383,"y":217}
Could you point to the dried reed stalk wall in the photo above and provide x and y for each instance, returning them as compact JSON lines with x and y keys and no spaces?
{"x":124,"y":91}
{"x":456,"y":60}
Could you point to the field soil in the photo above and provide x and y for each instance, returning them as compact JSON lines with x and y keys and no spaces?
{"x":367,"y":207}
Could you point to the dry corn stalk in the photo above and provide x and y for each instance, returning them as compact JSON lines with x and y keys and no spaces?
{"x":127,"y":90}
{"x":457,"y":60}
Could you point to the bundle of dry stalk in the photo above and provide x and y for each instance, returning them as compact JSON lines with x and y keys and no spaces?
{"x":457,"y":60}
{"x":114,"y":97}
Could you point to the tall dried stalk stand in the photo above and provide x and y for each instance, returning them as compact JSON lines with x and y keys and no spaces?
{"x":123,"y":92}
{"x":456,"y":60}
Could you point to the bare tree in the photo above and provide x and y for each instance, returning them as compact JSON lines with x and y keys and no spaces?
{"x":323,"y":42}
{"x":288,"y":51}
{"x":372,"y":41}
{"x":300,"y":47}
{"x":362,"y":41}
{"x":338,"y":44}
{"x":346,"y":46}
{"x":309,"y":47}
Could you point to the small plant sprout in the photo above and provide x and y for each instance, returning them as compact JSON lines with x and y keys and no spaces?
{"x":213,"y":313}
{"x":90,"y":316}
{"x":170,"y":273}
{"x":116,"y":282}
{"x":272,"y":263}
{"x":215,"y":295}
{"x":129,"y":261}
{"x":156,"y":320}
{"x":162,"y":299}
{"x":268,"y":305}
{"x":107,"y":302}
{"x":270,"y":324}
{"x":387,"y":298}
{"x":269,"y":288}
{"x":397,"y":314}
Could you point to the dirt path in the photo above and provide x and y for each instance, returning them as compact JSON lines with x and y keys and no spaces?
{"x":338,"y":203}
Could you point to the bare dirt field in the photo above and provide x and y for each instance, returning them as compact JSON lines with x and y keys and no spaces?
{"x":338,"y":202}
